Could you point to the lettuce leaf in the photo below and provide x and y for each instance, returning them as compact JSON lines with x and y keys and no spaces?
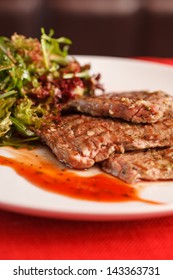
{"x":28,"y":113}
{"x":5,"y":111}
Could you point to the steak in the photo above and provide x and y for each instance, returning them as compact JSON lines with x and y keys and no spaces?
{"x":79,"y":141}
{"x":135,"y":106}
{"x":153,"y":164}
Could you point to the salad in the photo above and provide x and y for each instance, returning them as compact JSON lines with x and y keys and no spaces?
{"x":36,"y":78}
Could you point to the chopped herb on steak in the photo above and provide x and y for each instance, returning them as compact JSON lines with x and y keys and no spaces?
{"x":153,"y":164}
{"x":135,"y":106}
{"x":79,"y":141}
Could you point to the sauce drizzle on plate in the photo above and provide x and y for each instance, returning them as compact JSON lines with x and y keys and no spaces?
{"x":44,"y":171}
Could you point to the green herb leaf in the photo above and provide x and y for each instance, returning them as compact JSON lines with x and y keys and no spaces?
{"x":21,"y":128}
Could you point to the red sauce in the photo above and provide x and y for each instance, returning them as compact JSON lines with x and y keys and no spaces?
{"x":47,"y":175}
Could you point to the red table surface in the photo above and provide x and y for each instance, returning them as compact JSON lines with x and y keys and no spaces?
{"x":27,"y":237}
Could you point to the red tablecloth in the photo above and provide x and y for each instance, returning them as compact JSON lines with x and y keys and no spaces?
{"x":26,"y":237}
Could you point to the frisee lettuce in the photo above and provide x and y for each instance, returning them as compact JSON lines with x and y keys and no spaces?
{"x":5,"y":112}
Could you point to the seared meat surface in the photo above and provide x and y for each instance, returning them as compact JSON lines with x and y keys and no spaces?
{"x":137,"y":106}
{"x":153,"y":164}
{"x":79,"y":141}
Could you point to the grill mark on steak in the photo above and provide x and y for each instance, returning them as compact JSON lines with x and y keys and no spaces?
{"x":79,"y":141}
{"x":153,"y":164}
{"x":134,"y":106}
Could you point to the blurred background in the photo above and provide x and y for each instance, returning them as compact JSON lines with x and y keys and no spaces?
{"x":97,"y":27}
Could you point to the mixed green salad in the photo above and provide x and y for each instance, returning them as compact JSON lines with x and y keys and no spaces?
{"x":36,"y":78}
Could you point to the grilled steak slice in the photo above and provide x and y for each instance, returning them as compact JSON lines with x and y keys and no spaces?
{"x":137,"y":106}
{"x":153,"y":164}
{"x":79,"y":141}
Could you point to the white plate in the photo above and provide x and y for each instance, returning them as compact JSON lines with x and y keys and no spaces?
{"x":19,"y":195}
